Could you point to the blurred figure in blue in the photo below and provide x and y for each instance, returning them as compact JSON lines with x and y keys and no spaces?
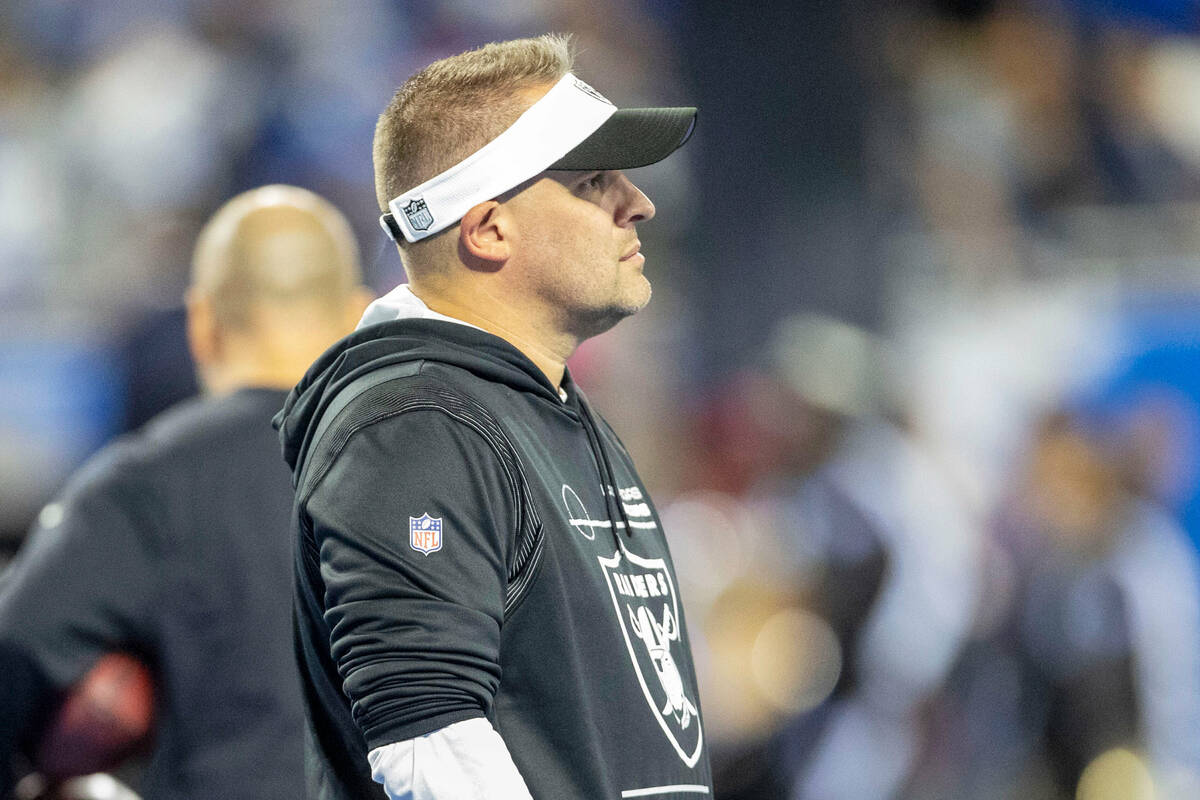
{"x":1089,"y":673}
{"x":172,"y":543}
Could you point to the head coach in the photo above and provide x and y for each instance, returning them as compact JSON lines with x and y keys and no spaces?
{"x":486,"y":604}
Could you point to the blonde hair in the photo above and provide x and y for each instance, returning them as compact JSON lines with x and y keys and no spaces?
{"x":277,"y":244}
{"x":455,"y":106}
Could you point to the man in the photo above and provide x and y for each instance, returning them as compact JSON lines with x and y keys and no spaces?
{"x":171,"y":543}
{"x":486,"y":604}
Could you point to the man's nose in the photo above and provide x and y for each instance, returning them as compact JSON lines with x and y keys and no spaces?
{"x":635,"y":205}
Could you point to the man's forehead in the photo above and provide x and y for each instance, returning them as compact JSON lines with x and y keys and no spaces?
{"x":547,"y":178}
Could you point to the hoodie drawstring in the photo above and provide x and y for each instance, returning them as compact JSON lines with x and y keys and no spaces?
{"x":611,"y":491}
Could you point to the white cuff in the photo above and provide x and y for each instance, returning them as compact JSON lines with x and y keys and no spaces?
{"x":464,"y":761}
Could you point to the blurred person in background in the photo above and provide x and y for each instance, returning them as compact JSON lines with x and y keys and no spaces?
{"x":1087,"y":674}
{"x":894,"y":561}
{"x":872,"y":559}
{"x":172,"y":543}
{"x":1109,"y":620}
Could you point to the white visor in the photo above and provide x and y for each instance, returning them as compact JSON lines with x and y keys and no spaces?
{"x":548,"y":130}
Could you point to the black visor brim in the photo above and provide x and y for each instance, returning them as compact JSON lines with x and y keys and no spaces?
{"x":630,"y":138}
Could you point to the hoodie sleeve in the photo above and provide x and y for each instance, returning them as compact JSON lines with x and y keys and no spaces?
{"x":413,"y":525}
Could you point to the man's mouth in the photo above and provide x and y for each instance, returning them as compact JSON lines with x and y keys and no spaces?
{"x":635,"y":250}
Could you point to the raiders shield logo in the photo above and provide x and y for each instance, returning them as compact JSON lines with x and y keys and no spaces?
{"x":418,"y":214}
{"x":647,"y":607}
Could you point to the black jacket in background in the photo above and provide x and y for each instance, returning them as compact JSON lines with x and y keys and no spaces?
{"x":546,"y":600}
{"x":171,"y":543}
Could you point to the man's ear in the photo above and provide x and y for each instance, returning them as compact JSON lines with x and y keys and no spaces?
{"x":483,"y":236}
{"x":204,"y":341}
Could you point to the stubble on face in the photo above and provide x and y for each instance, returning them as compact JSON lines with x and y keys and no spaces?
{"x":586,"y":321}
{"x":575,"y":257}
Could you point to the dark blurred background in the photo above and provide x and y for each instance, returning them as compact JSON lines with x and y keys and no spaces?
{"x":919,"y":391}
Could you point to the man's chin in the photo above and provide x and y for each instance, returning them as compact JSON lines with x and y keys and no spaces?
{"x":601,"y":320}
{"x":638,"y":300}
{"x":642,"y":299}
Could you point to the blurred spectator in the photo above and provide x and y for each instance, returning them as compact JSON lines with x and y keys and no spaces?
{"x":873,"y":562}
{"x":909,"y":632}
{"x":1091,"y":643}
{"x":171,"y":543}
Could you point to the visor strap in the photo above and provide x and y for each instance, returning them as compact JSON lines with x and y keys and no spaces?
{"x":549,"y":129}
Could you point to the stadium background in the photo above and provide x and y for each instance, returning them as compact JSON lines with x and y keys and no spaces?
{"x":918,"y":391}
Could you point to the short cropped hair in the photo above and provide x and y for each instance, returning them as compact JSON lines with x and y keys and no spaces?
{"x":455,"y":106}
{"x":276,"y":244}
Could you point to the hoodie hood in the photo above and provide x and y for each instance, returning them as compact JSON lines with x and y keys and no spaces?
{"x":401,"y":303}
{"x":397,"y":341}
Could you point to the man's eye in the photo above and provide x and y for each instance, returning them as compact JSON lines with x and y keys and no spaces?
{"x":593,"y":181}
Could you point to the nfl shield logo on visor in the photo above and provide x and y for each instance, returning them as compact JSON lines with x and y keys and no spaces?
{"x":425,"y":533}
{"x":418,"y":214}
{"x":587,"y":89}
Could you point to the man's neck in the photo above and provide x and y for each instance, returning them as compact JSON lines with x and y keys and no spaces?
{"x":229,"y":379}
{"x":545,"y":347}
{"x":270,"y":356}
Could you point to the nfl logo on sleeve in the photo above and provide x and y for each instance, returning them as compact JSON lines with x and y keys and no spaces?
{"x":425,"y":533}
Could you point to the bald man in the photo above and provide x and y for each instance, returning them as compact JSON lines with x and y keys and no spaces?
{"x":173,"y":543}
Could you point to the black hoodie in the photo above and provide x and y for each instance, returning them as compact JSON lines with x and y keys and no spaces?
{"x":470,"y":545}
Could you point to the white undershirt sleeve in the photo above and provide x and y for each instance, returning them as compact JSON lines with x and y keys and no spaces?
{"x":464,"y":761}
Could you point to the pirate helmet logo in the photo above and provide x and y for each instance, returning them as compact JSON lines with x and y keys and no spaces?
{"x":647,"y":606}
